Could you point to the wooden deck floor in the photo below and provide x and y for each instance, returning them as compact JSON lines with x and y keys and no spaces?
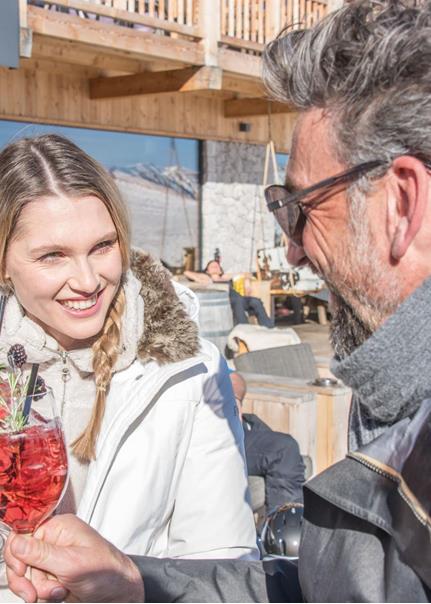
{"x":316,"y":335}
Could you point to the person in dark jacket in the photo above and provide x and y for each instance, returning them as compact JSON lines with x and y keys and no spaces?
{"x":356,"y":205}
{"x":273,"y":455}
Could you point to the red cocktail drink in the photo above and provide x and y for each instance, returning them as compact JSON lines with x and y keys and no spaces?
{"x":33,"y":473}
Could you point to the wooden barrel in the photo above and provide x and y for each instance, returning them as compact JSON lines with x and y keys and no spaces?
{"x":215,"y":316}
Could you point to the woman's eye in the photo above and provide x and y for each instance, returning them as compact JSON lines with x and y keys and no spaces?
{"x":104,"y":246}
{"x":51,"y":257}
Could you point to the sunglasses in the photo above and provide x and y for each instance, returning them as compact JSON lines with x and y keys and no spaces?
{"x":288,"y":205}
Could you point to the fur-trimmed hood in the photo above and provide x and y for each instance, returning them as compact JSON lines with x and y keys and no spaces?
{"x":170,"y":334}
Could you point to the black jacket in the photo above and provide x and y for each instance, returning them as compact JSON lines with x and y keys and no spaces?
{"x":276,"y":457}
{"x":367,"y":535}
{"x":367,"y":529}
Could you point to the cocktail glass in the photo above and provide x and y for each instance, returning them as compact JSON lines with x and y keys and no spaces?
{"x":33,"y":465}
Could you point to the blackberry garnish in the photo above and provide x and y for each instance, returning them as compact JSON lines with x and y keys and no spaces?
{"x":40,"y":388}
{"x":17,"y":356}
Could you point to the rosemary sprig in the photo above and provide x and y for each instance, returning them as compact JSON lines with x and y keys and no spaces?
{"x":13,"y":390}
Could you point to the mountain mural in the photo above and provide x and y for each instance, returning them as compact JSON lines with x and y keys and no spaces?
{"x":163,"y":207}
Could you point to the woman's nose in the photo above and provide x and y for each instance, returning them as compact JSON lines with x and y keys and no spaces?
{"x":84,"y":278}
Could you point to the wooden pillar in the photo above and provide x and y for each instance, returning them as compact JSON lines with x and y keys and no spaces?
{"x":23,"y":13}
{"x":272,"y":19}
{"x":25,"y":33}
{"x":210,"y":24}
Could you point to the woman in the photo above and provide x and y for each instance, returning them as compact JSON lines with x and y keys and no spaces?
{"x":149,"y":417}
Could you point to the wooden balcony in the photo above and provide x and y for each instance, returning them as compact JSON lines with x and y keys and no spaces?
{"x":189,"y":68}
{"x":250,"y":24}
{"x":194,"y":45}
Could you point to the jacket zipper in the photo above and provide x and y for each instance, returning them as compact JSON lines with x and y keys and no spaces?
{"x":371,"y":466}
{"x":65,"y":376}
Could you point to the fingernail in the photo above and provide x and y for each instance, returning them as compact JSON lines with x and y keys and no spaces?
{"x":58,"y":594}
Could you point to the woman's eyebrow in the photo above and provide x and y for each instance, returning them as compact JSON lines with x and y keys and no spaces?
{"x":51,"y":247}
{"x":54,"y":247}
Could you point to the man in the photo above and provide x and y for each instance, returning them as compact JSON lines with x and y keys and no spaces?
{"x":273,"y":455}
{"x":359,"y":212}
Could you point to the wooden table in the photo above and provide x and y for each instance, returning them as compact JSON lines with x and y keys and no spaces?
{"x":263,"y":290}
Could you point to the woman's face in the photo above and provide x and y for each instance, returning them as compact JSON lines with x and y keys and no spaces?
{"x":65,"y":265}
{"x":214,"y":269}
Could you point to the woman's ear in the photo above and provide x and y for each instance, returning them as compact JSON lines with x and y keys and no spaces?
{"x":412,"y":192}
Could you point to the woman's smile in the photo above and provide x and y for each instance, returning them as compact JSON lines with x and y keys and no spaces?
{"x":83,"y":307}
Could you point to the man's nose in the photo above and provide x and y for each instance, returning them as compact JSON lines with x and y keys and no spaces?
{"x":84,"y":278}
{"x":295,"y":254}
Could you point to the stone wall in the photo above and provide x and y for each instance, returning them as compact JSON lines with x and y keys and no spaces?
{"x":234,"y":214}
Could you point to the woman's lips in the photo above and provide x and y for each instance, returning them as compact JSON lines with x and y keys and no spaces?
{"x":72,"y":306}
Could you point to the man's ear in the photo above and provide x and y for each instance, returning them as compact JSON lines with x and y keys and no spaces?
{"x":412,"y":190}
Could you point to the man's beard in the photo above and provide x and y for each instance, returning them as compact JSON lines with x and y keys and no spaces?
{"x":346,"y":332}
{"x":365,"y":292}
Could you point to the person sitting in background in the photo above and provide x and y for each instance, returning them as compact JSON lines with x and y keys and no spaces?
{"x":241,"y":305}
{"x":273,"y":455}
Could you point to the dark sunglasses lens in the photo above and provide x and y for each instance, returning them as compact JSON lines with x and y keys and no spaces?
{"x":288,"y":217}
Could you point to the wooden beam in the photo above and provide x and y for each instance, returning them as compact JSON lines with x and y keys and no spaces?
{"x":241,"y":43}
{"x":190,"y":79}
{"x":75,"y":53}
{"x":249,"y":66}
{"x":246,"y":86}
{"x":249,"y":107}
{"x":108,"y":38}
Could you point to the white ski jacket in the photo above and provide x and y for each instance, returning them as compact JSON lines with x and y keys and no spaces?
{"x":169,"y":477}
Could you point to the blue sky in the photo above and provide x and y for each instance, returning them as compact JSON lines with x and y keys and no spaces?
{"x":112,"y":148}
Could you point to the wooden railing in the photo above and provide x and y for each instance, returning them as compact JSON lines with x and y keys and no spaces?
{"x":302,"y":13}
{"x":244,"y":24}
{"x":250,"y":24}
{"x":170,"y":16}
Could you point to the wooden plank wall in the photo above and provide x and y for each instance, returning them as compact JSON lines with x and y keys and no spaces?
{"x":55,"y":93}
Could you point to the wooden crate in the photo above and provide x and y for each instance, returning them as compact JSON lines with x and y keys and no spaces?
{"x":316,"y":416}
{"x":286,"y":411}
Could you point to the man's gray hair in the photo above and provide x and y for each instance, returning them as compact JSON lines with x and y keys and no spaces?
{"x":368,"y":65}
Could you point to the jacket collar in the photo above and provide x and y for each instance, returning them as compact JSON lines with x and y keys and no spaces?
{"x":155,"y":323}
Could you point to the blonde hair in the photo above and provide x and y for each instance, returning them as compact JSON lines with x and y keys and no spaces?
{"x":32,"y":168}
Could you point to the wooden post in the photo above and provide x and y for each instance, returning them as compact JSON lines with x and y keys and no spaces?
{"x":23,"y":13}
{"x":210,"y":24}
{"x":272,"y":19}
